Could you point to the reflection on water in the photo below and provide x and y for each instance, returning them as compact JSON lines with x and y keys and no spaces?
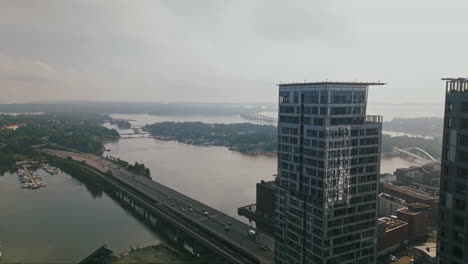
{"x":216,"y":176}
{"x":219,"y":177}
{"x":66,"y":220}
{"x":62,"y":222}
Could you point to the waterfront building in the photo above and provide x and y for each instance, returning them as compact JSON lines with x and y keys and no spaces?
{"x":453,"y":226}
{"x":328,"y":167}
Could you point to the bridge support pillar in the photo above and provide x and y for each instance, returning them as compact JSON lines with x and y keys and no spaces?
{"x":199,"y":249}
{"x":180,"y":238}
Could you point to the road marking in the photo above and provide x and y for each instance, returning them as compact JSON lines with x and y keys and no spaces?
{"x":201,"y":219}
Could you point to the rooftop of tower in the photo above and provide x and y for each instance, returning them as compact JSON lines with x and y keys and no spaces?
{"x":331,"y":83}
{"x":462,"y":79}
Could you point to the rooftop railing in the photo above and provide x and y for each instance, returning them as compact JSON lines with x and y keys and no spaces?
{"x":374,"y":119}
{"x":456,"y":85}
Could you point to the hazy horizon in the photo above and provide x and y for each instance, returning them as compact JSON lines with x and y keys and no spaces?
{"x":230,"y":51}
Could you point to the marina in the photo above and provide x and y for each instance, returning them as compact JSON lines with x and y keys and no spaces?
{"x":30,"y":180}
{"x":49,"y":169}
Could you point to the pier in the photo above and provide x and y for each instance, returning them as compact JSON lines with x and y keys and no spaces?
{"x":31,"y":178}
{"x":29,"y":181}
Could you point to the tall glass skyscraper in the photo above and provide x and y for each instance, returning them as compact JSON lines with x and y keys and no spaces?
{"x":453,"y":224}
{"x":328,"y":167}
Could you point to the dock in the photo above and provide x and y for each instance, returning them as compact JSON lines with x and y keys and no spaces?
{"x":29,"y":181}
{"x":31,"y":178}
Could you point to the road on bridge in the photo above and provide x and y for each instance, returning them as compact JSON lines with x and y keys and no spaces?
{"x":213,"y":220}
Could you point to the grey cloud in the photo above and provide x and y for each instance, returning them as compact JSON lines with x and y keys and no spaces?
{"x":211,"y":50}
{"x":20,"y":70}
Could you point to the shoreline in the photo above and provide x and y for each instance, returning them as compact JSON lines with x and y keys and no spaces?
{"x":251,"y":153}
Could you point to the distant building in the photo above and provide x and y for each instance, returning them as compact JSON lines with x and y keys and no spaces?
{"x":328,"y":172}
{"x":13,"y":126}
{"x":411,"y":195}
{"x":417,"y":222}
{"x":428,"y":174}
{"x":453,"y":225}
{"x":263,"y":212}
{"x":406,"y":176}
{"x":266,"y":199}
{"x":389,"y":204}
{"x":391,"y":233}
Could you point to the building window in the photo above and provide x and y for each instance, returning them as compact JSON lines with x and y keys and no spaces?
{"x":464,"y":107}
{"x":457,"y":236}
{"x":459,"y":221}
{"x":463,"y":123}
{"x":449,"y":123}
{"x":462,"y":172}
{"x":461,"y":188}
{"x":284,"y":97}
{"x":311,"y":97}
{"x":463,"y":140}
{"x":460,"y":204}
{"x":457,"y":252}
{"x":463,"y":156}
{"x":341,"y":97}
{"x":449,"y":107}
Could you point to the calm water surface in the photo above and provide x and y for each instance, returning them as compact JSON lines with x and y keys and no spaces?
{"x":216,"y":176}
{"x":62,"y":222}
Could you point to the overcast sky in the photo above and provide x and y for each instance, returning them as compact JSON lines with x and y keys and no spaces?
{"x":226,"y":51}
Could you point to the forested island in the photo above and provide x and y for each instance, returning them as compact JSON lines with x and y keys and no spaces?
{"x":81,"y":131}
{"x":433,"y":146}
{"x":424,"y":126}
{"x":245,"y":137}
{"x":260,"y":139}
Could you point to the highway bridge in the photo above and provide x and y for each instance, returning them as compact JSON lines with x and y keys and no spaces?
{"x":259,"y":117}
{"x":201,"y":222}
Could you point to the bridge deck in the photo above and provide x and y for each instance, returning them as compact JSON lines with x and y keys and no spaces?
{"x":215,"y":221}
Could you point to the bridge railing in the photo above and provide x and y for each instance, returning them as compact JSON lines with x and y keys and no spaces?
{"x":188,"y":222}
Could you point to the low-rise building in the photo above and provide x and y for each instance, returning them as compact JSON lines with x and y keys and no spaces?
{"x":417,"y":222}
{"x":411,"y":195}
{"x":391,"y":233}
{"x":389,"y":204}
{"x":13,"y":126}
{"x":263,"y":212}
{"x":266,"y":199}
{"x":427,"y":174}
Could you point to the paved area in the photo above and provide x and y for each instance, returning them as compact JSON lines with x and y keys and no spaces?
{"x":211,"y":219}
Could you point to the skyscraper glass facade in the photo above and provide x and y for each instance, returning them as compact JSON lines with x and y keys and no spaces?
{"x":328,"y":167}
{"x":452,"y":236}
